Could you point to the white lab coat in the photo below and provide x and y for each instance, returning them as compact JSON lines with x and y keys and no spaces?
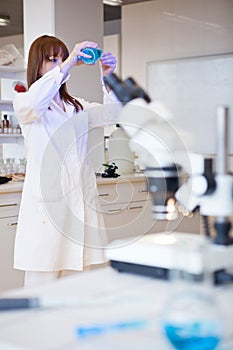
{"x":60,"y":223}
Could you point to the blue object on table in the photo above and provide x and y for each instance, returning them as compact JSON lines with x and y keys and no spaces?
{"x":93,"y":52}
{"x":85,"y":331}
{"x":193,"y":336}
{"x":11,"y":304}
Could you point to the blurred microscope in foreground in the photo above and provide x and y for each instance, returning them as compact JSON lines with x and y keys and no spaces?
{"x":164,"y":152}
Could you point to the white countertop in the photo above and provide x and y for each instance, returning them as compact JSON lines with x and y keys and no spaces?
{"x":134,"y":177}
{"x":106,"y":296}
{"x":11,"y":186}
{"x":17,"y":186}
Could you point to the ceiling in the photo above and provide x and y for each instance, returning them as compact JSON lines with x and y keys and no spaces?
{"x":14,"y":9}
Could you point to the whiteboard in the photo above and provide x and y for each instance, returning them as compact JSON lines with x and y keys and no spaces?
{"x":192,"y":88}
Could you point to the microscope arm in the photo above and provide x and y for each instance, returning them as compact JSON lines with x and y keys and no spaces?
{"x":163,"y":151}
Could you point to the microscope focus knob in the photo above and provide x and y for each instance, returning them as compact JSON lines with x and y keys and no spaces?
{"x":202,"y":185}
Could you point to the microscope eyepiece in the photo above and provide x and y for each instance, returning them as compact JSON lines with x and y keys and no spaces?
{"x":126,"y":90}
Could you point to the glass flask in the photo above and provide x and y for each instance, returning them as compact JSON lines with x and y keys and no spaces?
{"x":95,"y":54}
{"x":192,"y":319}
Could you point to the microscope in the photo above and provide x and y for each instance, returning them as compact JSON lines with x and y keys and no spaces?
{"x":208,"y":186}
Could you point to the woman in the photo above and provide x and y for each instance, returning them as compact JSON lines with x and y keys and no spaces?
{"x":60,"y":228}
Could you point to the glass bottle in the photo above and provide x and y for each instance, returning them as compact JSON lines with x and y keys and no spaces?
{"x":14,"y":165}
{"x":2,"y":168}
{"x":18,"y":129}
{"x":21,"y":166}
{"x":9,"y":167}
{"x":192,"y":319}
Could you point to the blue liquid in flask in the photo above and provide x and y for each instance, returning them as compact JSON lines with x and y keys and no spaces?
{"x":93,"y":52}
{"x":193,"y":336}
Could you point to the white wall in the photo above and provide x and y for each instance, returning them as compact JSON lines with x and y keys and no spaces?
{"x":77,"y":21}
{"x":38,"y":19}
{"x":192,"y":89}
{"x":164,"y":29}
{"x":112,"y":43}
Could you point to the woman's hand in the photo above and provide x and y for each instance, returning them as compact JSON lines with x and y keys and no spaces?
{"x":73,"y":60}
{"x":77,"y":51}
{"x":108,"y":62}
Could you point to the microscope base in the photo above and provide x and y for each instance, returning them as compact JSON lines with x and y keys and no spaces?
{"x":156,"y":254}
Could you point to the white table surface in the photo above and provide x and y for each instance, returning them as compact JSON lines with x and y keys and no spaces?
{"x":107,"y":296}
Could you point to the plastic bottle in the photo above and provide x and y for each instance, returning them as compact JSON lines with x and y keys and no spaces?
{"x":93,"y":52}
{"x":119,"y":151}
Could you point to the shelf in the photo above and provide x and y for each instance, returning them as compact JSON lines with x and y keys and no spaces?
{"x":10,"y":72}
{"x":11,"y":138}
{"x":10,"y":135}
{"x":14,"y":73}
{"x":6,"y":106}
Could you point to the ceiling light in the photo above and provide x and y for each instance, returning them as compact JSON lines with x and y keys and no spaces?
{"x":4,"y":20}
{"x":113,"y":2}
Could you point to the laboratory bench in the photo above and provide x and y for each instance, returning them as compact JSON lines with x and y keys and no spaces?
{"x":17,"y":186}
{"x":126,"y":206}
{"x":101,"y":297}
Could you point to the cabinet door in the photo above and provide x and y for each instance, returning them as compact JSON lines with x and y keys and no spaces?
{"x":135,"y":219}
{"x":127,"y":219}
{"x":123,"y":191}
{"x":9,"y":204}
{"x":9,"y":277}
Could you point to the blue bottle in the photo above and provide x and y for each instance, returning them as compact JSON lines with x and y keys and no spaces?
{"x":93,"y":52}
